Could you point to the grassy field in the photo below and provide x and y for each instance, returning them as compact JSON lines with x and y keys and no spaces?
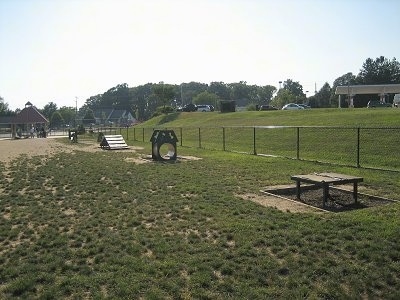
{"x":309,"y":117}
{"x":98,"y":225}
{"x":361,"y":137}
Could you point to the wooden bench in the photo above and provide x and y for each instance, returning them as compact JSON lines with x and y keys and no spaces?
{"x":113,"y":142}
{"x":326,"y":179}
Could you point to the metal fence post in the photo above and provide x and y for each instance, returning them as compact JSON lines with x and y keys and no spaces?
{"x":358,"y":147}
{"x":223,"y":139}
{"x":180,"y":129}
{"x":199,"y":137}
{"x":254,"y":141}
{"x":298,"y":143}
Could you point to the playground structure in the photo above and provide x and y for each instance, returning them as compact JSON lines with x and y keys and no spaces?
{"x":113,"y":142}
{"x":27,"y":120}
{"x":163,"y":140}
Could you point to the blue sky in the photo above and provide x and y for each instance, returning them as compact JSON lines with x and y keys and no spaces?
{"x":64,"y":51}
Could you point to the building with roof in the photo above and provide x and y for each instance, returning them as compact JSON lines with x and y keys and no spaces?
{"x":120,"y":117}
{"x":26,"y":119}
{"x":376,"y":89}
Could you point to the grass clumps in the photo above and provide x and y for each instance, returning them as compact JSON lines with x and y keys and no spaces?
{"x":93,"y":225}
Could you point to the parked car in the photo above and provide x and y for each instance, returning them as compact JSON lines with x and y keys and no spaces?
{"x":292,"y":106}
{"x":267,"y":107}
{"x":374,"y":103}
{"x":305,"y":106}
{"x":204,"y":107}
{"x":188,"y":107}
{"x":396,"y":100}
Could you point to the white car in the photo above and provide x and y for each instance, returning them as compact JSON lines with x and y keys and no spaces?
{"x":292,"y":106}
{"x":203,"y":108}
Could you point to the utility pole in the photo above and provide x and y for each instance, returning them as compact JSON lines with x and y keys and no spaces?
{"x":181,"y":96}
{"x":76,"y":110}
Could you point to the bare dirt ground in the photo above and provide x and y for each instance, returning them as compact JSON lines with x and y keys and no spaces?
{"x":281,"y":204}
{"x":339,"y":199}
{"x":11,"y":149}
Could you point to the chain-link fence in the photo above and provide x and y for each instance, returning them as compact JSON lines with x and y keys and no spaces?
{"x":374,"y":147}
{"x":5,"y":132}
{"x":367,"y":147}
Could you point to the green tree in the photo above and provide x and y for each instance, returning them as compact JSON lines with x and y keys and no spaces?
{"x":346,"y":79}
{"x":379,"y":71}
{"x":283,"y":97}
{"x":206,"y":98}
{"x":2,"y":105}
{"x":240,"y":92}
{"x":49,"y":109}
{"x":117,"y":97}
{"x":140,"y":105}
{"x":220,"y":89}
{"x":56,"y":120}
{"x":93,"y":102}
{"x":103,"y":118}
{"x":68,"y":114}
{"x":152,"y":102}
{"x":294,"y":87}
{"x":264,"y":94}
{"x":322,"y":98}
{"x":4,"y":110}
{"x":89,"y":117}
{"x":164,"y":92}
{"x":189,"y":90}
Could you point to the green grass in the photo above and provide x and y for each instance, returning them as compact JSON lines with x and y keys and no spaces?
{"x":312,"y":117}
{"x":94,"y":225}
{"x":325,"y":135}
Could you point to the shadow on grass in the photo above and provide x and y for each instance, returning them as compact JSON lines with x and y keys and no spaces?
{"x":339,"y":200}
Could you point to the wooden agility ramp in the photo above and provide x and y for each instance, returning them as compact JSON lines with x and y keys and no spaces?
{"x":113,"y":142}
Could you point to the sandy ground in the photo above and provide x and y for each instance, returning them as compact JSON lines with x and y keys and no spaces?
{"x":12,"y":149}
{"x":284,"y":205}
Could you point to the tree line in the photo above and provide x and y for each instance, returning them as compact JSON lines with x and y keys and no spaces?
{"x":147,"y":100}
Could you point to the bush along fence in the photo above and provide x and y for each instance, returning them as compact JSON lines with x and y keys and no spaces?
{"x":367,"y":147}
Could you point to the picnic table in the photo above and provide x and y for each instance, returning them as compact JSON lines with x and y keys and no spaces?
{"x":325,"y":180}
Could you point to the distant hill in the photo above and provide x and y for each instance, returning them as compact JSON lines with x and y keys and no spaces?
{"x":363,"y":117}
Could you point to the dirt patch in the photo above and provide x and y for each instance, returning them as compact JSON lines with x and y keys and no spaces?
{"x":339,"y":199}
{"x":284,"y":198}
{"x":149,"y":159}
{"x":136,"y":160}
{"x":285,"y":205}
{"x":10,"y":149}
